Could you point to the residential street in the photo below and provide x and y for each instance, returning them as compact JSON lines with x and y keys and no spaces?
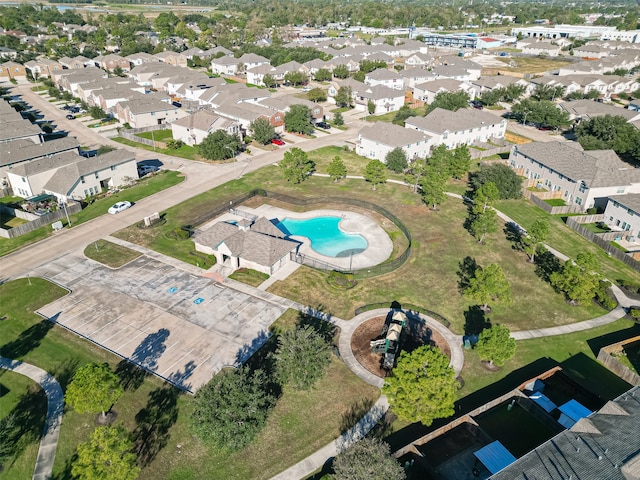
{"x":200,"y":177}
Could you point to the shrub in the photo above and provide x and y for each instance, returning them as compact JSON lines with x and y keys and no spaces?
{"x":341,"y":280}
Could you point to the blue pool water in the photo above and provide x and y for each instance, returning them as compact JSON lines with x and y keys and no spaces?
{"x":326,"y":238}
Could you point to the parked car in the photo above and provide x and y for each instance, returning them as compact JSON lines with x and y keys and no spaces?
{"x":70,"y":117}
{"x":306,"y":89}
{"x":545,"y":128}
{"x":277,"y":141}
{"x":119,"y":207}
{"x":324,"y":125}
{"x":476,"y":104}
{"x":144,"y":169}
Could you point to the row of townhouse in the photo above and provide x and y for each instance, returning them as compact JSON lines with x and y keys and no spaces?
{"x":605,"y":85}
{"x":13,"y":126}
{"x":421,"y":134}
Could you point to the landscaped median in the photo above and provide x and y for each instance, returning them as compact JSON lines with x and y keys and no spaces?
{"x":147,"y":186}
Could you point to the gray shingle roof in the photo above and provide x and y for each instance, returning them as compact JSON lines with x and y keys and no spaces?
{"x":392,"y":135}
{"x":440,"y":120}
{"x":611,"y":455}
{"x":590,"y":109}
{"x":631,"y":201}
{"x":21,"y":150}
{"x":18,"y":129}
{"x":203,"y":120}
{"x":597,"y":168}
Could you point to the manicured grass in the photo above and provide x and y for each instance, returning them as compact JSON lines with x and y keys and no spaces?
{"x":566,"y":240}
{"x":148,"y":186}
{"x":185,"y":151}
{"x":354,"y":163}
{"x":389,"y":116}
{"x":596,"y":228}
{"x":9,"y":221}
{"x":249,"y":276}
{"x":110,"y":254}
{"x":555,"y":202}
{"x":10,"y":199}
{"x":157,"y":135}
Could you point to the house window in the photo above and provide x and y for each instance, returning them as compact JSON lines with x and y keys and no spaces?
{"x":24,"y":180}
{"x":81,"y":179}
{"x":97,"y":175}
{"x":578,"y":201}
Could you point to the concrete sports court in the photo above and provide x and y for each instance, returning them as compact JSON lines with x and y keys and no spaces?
{"x":178,"y":325}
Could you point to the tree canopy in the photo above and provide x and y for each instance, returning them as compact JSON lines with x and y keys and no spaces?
{"x":433,"y":183}
{"x":578,"y":280}
{"x":422,"y":387}
{"x":540,"y":112}
{"x":488,"y":283}
{"x":396,"y":160}
{"x":232,"y":408}
{"x":296,"y":165}
{"x":375,"y":173}
{"x":298,"y":119}
{"x":535,"y":235}
{"x":336,"y":169}
{"x":219,"y":145}
{"x":609,"y":132}
{"x":496,"y":345}
{"x":106,"y":456}
{"x":505,"y":178}
{"x":343,"y":97}
{"x":93,"y":389}
{"x":370,"y":458}
{"x":449,"y":101}
{"x":262,"y":130}
{"x":301,"y":357}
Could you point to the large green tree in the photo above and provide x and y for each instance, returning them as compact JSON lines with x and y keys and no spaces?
{"x":540,"y":112}
{"x":432,"y":184}
{"x":317,"y":95}
{"x":547,"y":92}
{"x":262,"y":130}
{"x":449,"y":101}
{"x":422,"y":386}
{"x":579,"y":279}
{"x":396,"y":160}
{"x":298,"y":119}
{"x":106,"y":456}
{"x":609,"y":132}
{"x":232,"y":408}
{"x":323,"y":75}
{"x":296,"y":165}
{"x":368,"y":459}
{"x":535,"y":235}
{"x":487,"y":284}
{"x":219,"y":145}
{"x":341,"y":71}
{"x":460,"y":162}
{"x":374,"y":173}
{"x":93,"y":389}
{"x":295,"y":78}
{"x":483,"y":223}
{"x":496,"y":345}
{"x":301,"y":357}
{"x":415,"y":173}
{"x":505,"y":178}
{"x":336,"y":169}
{"x":344,"y":97}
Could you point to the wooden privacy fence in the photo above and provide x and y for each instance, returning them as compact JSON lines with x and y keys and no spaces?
{"x":607,"y":354}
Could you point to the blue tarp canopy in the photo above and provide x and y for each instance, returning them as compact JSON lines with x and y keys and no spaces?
{"x":542,"y":400}
{"x":495,"y":457}
{"x":572,"y":411}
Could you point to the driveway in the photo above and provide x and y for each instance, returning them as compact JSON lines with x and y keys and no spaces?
{"x":179,"y":326}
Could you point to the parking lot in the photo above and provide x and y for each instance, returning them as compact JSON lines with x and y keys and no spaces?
{"x":180,"y":326}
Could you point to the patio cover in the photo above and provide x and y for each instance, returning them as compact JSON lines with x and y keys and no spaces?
{"x":495,"y":457}
{"x":572,"y":411}
{"x":542,"y":400}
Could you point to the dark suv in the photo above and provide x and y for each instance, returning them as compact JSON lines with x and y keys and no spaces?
{"x":324,"y":125}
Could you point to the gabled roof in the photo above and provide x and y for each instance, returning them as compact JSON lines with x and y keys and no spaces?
{"x":382,"y":74}
{"x":143,"y":104}
{"x":440,"y":120}
{"x":379,"y":92}
{"x":590,"y":109}
{"x":21,"y":150}
{"x":392,"y":135}
{"x":18,"y":129}
{"x":204,"y":120}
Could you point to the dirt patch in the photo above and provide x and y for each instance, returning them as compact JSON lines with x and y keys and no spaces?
{"x":418,"y":334}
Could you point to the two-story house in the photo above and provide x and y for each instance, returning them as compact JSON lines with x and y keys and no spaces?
{"x":376,"y":141}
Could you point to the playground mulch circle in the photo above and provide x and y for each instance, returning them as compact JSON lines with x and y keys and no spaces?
{"x":371,"y":330}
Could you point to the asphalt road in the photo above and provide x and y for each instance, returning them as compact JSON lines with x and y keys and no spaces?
{"x":200,"y":177}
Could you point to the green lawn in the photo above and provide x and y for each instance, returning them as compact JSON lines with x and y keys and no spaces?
{"x":249,"y":276}
{"x":596,"y":227}
{"x":110,"y":254}
{"x":148,"y":186}
{"x":157,"y":135}
{"x":355,"y":163}
{"x":555,"y":202}
{"x":389,"y":116}
{"x":9,"y":221}
{"x":566,"y":240}
{"x":10,"y":199}
{"x":185,"y":151}
{"x":428,"y":279}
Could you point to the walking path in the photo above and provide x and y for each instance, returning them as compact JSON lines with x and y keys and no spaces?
{"x":55,"y":408}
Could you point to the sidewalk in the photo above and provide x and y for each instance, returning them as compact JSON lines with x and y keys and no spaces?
{"x":55,"y":409}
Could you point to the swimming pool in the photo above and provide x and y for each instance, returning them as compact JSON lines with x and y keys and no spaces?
{"x":325,"y":235}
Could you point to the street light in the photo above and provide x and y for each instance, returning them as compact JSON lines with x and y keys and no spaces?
{"x":63,"y":205}
{"x":524,"y":121}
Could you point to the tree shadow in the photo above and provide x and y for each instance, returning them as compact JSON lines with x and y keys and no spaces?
{"x":417,"y":333}
{"x":355,"y":412}
{"x":151,"y":349}
{"x":63,"y":372}
{"x":475,"y":321}
{"x":153,"y":423}
{"x":131,"y":375}
{"x":325,"y":329}
{"x":546,"y":264}
{"x":28,"y":339}
{"x":29,"y":417}
{"x":466,"y":271}
{"x":179,"y":377}
{"x":247,"y":350}
{"x":513,"y":234}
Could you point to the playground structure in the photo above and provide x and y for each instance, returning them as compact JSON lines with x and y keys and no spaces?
{"x":389,"y":345}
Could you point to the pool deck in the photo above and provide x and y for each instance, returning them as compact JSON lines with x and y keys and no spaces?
{"x":379,"y":246}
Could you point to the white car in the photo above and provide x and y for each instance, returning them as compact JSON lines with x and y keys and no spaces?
{"x":119,"y":207}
